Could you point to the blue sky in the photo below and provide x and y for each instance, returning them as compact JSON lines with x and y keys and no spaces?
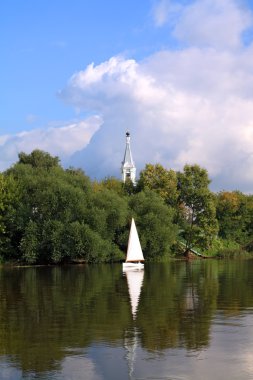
{"x":178,"y":74}
{"x":44,"y":42}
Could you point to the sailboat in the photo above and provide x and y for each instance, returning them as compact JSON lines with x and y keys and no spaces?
{"x":134,"y":258}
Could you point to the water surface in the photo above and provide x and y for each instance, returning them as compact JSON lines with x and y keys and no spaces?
{"x":182,"y":320}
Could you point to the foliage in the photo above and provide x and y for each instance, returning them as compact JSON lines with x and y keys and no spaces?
{"x":235,"y":216}
{"x":109,"y":183}
{"x":3,"y":201}
{"x":128,"y":187}
{"x":52,"y":215}
{"x":155,"y":224}
{"x":109,"y":213}
{"x":9,"y":196}
{"x":221,"y":246}
{"x":197,"y":208}
{"x":58,"y":218}
{"x":161,"y":180}
{"x":38,"y":159}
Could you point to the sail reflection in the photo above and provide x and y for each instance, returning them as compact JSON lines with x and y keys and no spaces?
{"x":180,"y":320}
{"x":134,"y":281}
{"x":131,"y":342}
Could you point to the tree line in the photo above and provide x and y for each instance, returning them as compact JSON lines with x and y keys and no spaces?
{"x":54,"y":215}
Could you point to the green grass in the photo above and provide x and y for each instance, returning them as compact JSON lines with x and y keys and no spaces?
{"x":227,"y":249}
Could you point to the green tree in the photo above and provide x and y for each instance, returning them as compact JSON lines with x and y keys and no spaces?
{"x":108,"y":214}
{"x":47,"y":193}
{"x":249,"y":222}
{"x":128,"y":187}
{"x":109,"y":183}
{"x":197,"y":214}
{"x":161,"y":180}
{"x":3,"y":203}
{"x":9,"y":198}
{"x":154,"y":221}
{"x":77,"y":178}
{"x":59,"y":218}
{"x":38,"y":159}
{"x":30,"y":242}
{"x":235,"y":216}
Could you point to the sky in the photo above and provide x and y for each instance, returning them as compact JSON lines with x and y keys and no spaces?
{"x":178,"y":74}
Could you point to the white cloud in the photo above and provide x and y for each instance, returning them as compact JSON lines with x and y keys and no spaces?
{"x":3,"y":139}
{"x":213,"y":23}
{"x":31,"y":118}
{"x":61,"y":141}
{"x":163,"y":12}
{"x":193,"y":105}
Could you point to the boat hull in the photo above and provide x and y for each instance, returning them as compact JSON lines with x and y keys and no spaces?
{"x":132,"y":266}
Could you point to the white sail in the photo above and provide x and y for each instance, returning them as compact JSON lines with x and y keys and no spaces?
{"x":134,"y":251}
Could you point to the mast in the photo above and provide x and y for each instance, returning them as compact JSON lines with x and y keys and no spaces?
{"x":128,"y":168}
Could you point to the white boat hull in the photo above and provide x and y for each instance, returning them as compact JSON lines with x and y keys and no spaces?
{"x":132,"y":266}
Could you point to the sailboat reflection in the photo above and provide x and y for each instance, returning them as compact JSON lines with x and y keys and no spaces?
{"x":134,"y":281}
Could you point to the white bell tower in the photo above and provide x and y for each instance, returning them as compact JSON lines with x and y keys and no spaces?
{"x":128,"y":168}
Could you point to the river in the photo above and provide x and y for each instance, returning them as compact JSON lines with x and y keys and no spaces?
{"x":173,"y":321}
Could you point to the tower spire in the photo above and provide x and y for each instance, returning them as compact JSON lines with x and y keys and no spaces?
{"x":128,"y":168}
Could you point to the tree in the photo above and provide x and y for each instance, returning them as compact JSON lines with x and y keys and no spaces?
{"x":110,"y":183}
{"x":197,"y":214}
{"x":154,"y":220}
{"x":108,"y":214}
{"x":59,"y":218}
{"x":9,"y":196}
{"x":29,"y":243}
{"x":161,"y":180}
{"x":38,"y":159}
{"x":3,"y":203}
{"x":77,"y":178}
{"x":235,"y":216}
{"x":128,"y":187}
{"x":48,"y":194}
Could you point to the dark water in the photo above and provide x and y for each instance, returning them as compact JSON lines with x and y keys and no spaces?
{"x":191,"y":321}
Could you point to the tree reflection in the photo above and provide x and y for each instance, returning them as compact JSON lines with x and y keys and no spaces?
{"x":45,"y":312}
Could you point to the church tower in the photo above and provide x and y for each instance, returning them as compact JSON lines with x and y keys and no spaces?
{"x":128,"y":168}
